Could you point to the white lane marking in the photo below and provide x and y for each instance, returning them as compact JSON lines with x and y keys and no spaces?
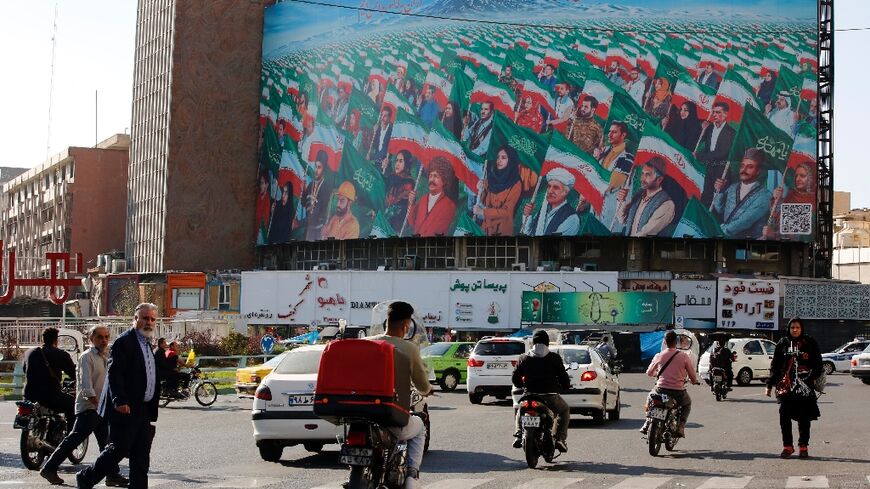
{"x":457,"y":484}
{"x":549,"y":483}
{"x":11,"y":483}
{"x":816,"y":481}
{"x":332,"y":485}
{"x":641,"y":483}
{"x":245,"y":482}
{"x":726,"y":483}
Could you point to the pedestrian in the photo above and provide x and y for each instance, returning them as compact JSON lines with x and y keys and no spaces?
{"x":796,"y":365}
{"x":129,"y":403}
{"x":91,"y":376}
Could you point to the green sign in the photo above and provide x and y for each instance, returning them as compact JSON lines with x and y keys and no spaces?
{"x":598,"y":308}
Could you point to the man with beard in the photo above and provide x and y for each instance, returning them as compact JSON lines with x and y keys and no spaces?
{"x":636,"y":85}
{"x":716,"y":139}
{"x":708,"y":77}
{"x":339,"y":109}
{"x":555,"y":215}
{"x":381,"y":139}
{"x":744,"y":205}
{"x":343,"y":224}
{"x":477,"y":135}
{"x":433,"y":214}
{"x":316,"y":199}
{"x":564,"y":108}
{"x":584,"y":131}
{"x":780,"y":113}
{"x":613,"y":74}
{"x":651,"y":210}
{"x":616,"y":158}
{"x":548,"y":77}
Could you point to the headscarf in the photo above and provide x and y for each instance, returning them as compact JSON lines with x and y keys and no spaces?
{"x":685,"y":131}
{"x":807,"y":196}
{"x":663,"y":91}
{"x":501,"y":180}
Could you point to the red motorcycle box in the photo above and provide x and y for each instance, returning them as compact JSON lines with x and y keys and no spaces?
{"x":363,"y":379}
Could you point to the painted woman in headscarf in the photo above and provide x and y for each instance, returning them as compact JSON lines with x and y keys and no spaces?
{"x":452,"y":119}
{"x":659,"y":101}
{"x":530,"y":114}
{"x":501,"y":191}
{"x":803,"y":192}
{"x":399,"y":185}
{"x":683,"y":125}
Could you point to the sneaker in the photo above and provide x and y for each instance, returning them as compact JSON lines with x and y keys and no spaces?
{"x":51,"y":476}
{"x":518,"y":441}
{"x":645,"y":428}
{"x":804,"y":452}
{"x":117,"y":480}
{"x":561,"y":446}
{"x":786,"y":452}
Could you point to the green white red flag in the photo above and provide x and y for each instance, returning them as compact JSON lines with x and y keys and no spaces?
{"x":488,"y":89}
{"x":591,"y":180}
{"x":408,"y":134}
{"x":680,"y":164}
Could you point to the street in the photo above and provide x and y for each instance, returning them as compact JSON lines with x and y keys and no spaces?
{"x":731,"y":444}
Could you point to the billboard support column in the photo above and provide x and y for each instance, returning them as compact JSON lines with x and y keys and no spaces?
{"x":824,"y":242}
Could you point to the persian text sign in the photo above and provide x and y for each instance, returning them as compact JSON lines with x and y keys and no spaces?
{"x":747,"y":304}
{"x":599,"y":308}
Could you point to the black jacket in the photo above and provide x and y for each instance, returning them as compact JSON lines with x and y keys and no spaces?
{"x":807,"y":354}
{"x":127,"y":379}
{"x":721,"y":358}
{"x":42,"y":382}
{"x":543,"y":375}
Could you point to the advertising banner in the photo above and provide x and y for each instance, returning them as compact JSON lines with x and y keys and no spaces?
{"x":436,"y":118}
{"x":599,"y":308}
{"x":695,"y":299}
{"x":747,"y":304}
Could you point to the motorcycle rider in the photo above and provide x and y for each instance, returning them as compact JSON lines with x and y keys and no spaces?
{"x":722,"y":357}
{"x":672,"y":380}
{"x":43,"y":367}
{"x":398,"y":326}
{"x":542,"y":372}
{"x":607,"y":349}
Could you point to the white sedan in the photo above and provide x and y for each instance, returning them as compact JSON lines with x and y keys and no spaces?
{"x":594,"y":387}
{"x":283,"y":413}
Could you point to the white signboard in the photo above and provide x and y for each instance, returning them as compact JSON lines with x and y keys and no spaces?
{"x":695,"y":299}
{"x":747,"y":304}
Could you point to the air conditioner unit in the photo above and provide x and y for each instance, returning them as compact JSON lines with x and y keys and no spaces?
{"x":519,"y":267}
{"x":326,"y":266}
{"x":470,"y":262}
{"x":119,"y":266}
{"x":450,"y":262}
{"x":548,"y":266}
{"x":590,"y":267}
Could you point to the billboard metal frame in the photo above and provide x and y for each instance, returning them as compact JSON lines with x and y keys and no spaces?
{"x":824,"y":244}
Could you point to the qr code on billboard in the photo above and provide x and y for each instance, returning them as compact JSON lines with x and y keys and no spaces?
{"x":796,"y":219}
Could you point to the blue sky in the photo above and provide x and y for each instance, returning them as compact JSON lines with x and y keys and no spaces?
{"x":95,"y":41}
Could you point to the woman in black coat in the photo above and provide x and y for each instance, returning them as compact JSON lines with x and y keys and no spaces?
{"x":796,"y":364}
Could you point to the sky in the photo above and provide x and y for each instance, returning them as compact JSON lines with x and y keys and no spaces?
{"x":94,"y":53}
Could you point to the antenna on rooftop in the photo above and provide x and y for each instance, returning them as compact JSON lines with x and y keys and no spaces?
{"x":51,"y":83}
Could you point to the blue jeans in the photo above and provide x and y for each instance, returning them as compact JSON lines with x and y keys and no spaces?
{"x":86,"y":422}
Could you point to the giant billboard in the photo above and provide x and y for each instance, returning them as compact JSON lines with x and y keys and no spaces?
{"x":666,"y":118}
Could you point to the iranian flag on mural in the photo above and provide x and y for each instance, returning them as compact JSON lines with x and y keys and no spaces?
{"x":809,"y":88}
{"x":395,"y":101}
{"x":367,"y":180}
{"x":292,"y":122}
{"x":408,"y":134}
{"x":465,"y":226}
{"x":378,"y":75}
{"x":697,"y":222}
{"x":381,"y":227}
{"x":441,"y":85}
{"x":488,"y":89}
{"x":719,"y":63}
{"x":598,"y":86}
{"x":327,"y":138}
{"x":802,"y":151}
{"x":553,"y":56}
{"x":467,"y":166}
{"x":736,"y":92}
{"x":291,"y":170}
{"x":292,"y":87}
{"x":591,"y":180}
{"x":539,"y":94}
{"x":756,"y":131}
{"x":688,"y":90}
{"x":679,"y":162}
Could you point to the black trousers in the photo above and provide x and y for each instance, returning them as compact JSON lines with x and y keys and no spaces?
{"x":788,"y":437}
{"x":87,"y":422}
{"x":62,"y":403}
{"x":130,"y":436}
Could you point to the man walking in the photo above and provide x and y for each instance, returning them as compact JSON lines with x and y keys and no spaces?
{"x":129,"y":403}
{"x":91,"y":376}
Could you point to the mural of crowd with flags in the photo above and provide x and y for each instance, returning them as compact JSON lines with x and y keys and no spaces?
{"x":636,"y":127}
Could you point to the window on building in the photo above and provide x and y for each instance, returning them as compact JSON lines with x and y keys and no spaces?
{"x":682,"y":250}
{"x":224,"y":298}
{"x":759,"y":252}
{"x":186,"y":298}
{"x":494,"y":253}
{"x":369,"y":254}
{"x":431,"y":253}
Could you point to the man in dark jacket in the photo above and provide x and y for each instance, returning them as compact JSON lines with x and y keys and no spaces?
{"x":43,"y":367}
{"x":129,"y":403}
{"x":542,"y":372}
{"x":722,"y":357}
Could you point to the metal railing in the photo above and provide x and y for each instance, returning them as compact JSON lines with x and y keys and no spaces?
{"x":241,"y":363}
{"x":16,"y":376}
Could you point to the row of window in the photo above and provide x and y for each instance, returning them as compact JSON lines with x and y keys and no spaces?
{"x":32,"y":188}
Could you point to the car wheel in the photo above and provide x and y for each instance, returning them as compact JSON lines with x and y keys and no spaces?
{"x":598,"y":416}
{"x":270,"y":451}
{"x":475,"y":398}
{"x":614,"y":414}
{"x":829,"y":367}
{"x":313,"y":447}
{"x":449,"y":380}
{"x":866,"y":381}
{"x":744,"y":377}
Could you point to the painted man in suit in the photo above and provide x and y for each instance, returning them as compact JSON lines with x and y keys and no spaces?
{"x":716,"y":140}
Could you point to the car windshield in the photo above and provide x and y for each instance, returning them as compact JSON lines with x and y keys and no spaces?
{"x":300,"y":362}
{"x":844,"y":345}
{"x":572,"y":355}
{"x":866,"y":350}
{"x":275,"y":360}
{"x":435,"y":350}
{"x":499,"y":348}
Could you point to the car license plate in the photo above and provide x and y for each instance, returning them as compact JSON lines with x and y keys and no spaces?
{"x":300,"y":400}
{"x":717,"y":378}
{"x":496,"y":365}
{"x":355,"y":456}
{"x":531,"y":421}
{"x":658,"y":413}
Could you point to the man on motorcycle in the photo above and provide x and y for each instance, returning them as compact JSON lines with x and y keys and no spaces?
{"x":398,"y":326}
{"x":671,"y":367}
{"x":43,"y":367}
{"x":722,"y":357}
{"x":542,"y":372}
{"x":607,"y":349}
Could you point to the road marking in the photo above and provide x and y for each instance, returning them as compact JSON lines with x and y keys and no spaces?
{"x":818,"y":481}
{"x":726,"y":483}
{"x":11,"y":483}
{"x":458,"y":484}
{"x":641,"y":483}
{"x":549,"y":483}
{"x":248,"y":482}
{"x":332,"y":485}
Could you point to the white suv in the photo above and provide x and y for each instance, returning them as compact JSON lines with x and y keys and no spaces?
{"x":752,"y":362}
{"x":490,"y":367}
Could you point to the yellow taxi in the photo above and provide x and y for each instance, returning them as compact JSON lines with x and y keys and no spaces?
{"x":249,"y":378}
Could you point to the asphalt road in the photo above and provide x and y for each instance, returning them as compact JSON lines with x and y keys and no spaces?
{"x":732,"y":444}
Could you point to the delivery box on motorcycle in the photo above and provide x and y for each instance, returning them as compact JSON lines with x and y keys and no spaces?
{"x":363,"y":379}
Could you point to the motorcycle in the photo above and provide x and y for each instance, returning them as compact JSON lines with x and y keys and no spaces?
{"x":664,"y":414}
{"x":718,"y":383}
{"x":376,"y":458}
{"x":538,"y":423}
{"x":203,"y":390}
{"x":42,"y":430}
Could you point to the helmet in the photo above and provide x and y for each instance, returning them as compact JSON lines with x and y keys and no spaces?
{"x":347,"y":190}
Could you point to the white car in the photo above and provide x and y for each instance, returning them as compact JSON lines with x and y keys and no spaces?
{"x":491,"y":366}
{"x":283,"y":412}
{"x":753,"y":356}
{"x":840,"y":360}
{"x":861,"y":366}
{"x":594,"y":387}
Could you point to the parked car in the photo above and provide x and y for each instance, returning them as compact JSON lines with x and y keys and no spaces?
{"x":249,"y":378}
{"x":861,"y":366}
{"x":752,"y":359}
{"x":594,"y":387}
{"x":491,"y":366}
{"x":283,"y":413}
{"x":840,"y":360}
{"x":448,"y":360}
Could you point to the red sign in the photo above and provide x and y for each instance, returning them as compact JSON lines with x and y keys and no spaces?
{"x":53,"y":282}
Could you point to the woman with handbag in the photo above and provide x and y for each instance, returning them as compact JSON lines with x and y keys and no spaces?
{"x":794,"y":370}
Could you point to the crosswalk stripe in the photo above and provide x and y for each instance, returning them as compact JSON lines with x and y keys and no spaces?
{"x":549,"y":483}
{"x":725,"y":483}
{"x":641,"y":483}
{"x":815,"y":481}
{"x":458,"y":484}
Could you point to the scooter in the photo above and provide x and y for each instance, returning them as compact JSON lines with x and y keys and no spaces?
{"x":538,"y":423}
{"x":718,"y":383}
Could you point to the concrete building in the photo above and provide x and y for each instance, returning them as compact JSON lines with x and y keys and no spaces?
{"x":9,"y":172}
{"x":73,"y":202}
{"x":852,"y":246}
{"x":194,"y":135}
